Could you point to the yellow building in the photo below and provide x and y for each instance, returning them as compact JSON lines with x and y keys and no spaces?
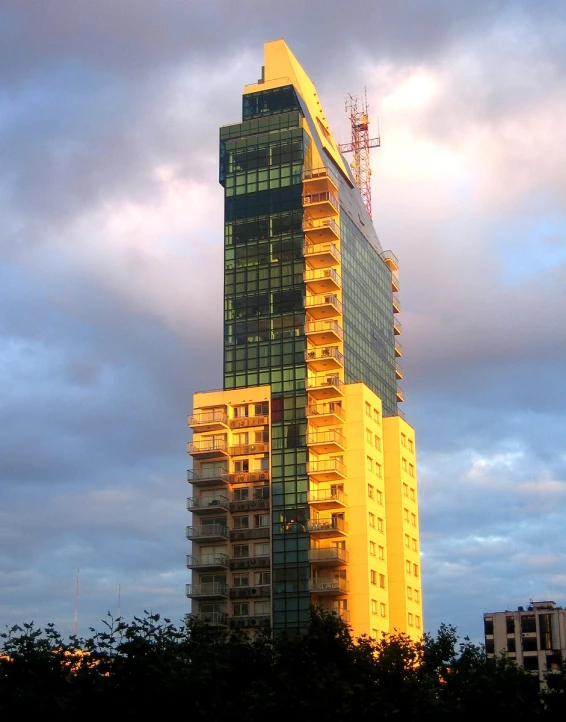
{"x":303,"y":480}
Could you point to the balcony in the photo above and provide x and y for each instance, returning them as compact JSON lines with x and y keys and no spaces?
{"x":323,"y":306}
{"x":323,"y":333}
{"x":322,"y":280}
{"x":326,"y":470}
{"x":396,"y":326}
{"x":248,"y":477}
{"x":255,"y":504}
{"x":324,"y":359}
{"x":329,"y":414}
{"x":207,"y":590}
{"x":398,"y":349}
{"x":250,"y":592}
{"x":400,"y":394}
{"x":322,"y":255}
{"x":321,"y":205}
{"x":326,"y":442}
{"x":323,"y":388}
{"x":320,"y":179}
{"x":250,"y":562}
{"x":212,"y":619}
{"x":390,"y":260}
{"x":213,"y":420}
{"x":249,"y":449}
{"x":208,"y":477}
{"x":328,"y":586}
{"x":244,"y":422}
{"x":207,"y":504}
{"x":257,"y":620}
{"x":398,"y":370}
{"x":327,"y":527}
{"x":394,"y":283}
{"x":329,"y":557}
{"x":396,"y":303}
{"x":208,"y":448}
{"x":208,"y":562}
{"x":326,"y":499}
{"x":260,"y":532}
{"x":208,"y":532}
{"x":321,"y":230}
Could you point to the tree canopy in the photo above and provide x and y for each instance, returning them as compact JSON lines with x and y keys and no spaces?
{"x":151,"y":665}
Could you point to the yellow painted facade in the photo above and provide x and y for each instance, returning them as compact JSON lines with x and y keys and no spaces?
{"x":359,"y":506}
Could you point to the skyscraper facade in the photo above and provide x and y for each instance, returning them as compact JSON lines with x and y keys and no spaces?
{"x":303,"y":480}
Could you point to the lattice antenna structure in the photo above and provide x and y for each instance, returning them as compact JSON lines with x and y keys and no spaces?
{"x":360,"y":145}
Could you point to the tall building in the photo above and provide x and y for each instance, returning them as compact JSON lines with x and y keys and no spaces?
{"x":303,"y":481}
{"x":534,"y":637}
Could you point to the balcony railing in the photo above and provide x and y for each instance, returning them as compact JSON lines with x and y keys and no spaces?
{"x":329,"y":586}
{"x":400,"y":396}
{"x":398,"y":370}
{"x":214,"y":619}
{"x":321,"y":412}
{"x":207,"y":589}
{"x":398,"y":349}
{"x":248,"y":477}
{"x":396,"y":303}
{"x":208,"y":447}
{"x":321,"y":280}
{"x":327,"y":524}
{"x":390,"y":260}
{"x":324,"y":197}
{"x":207,"y":477}
{"x":215,"y":418}
{"x":248,"y":449}
{"x":328,"y":555}
{"x":333,"y":439}
{"x":322,"y":254}
{"x":207,"y":503}
{"x":323,"y":331}
{"x":325,"y":387}
{"x":324,"y":467}
{"x":324,"y":496}
{"x":207,"y":531}
{"x":207,"y":560}
{"x":323,"y":305}
{"x":321,"y":228}
{"x":242,"y":422}
{"x":321,"y":172}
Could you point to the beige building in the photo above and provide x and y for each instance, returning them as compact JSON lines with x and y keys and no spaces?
{"x":534,"y":637}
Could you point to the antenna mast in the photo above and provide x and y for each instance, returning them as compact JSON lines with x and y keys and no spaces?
{"x":360,"y":146}
{"x":76,"y":620}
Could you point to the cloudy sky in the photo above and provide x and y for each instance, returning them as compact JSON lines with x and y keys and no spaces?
{"x":111,"y":245}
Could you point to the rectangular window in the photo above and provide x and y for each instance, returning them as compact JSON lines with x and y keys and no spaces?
{"x":417,"y":621}
{"x":414,"y":519}
{"x":378,"y":469}
{"x":369,"y":436}
{"x":416,"y":570}
{"x":410,"y":619}
{"x":369,"y":463}
{"x":261,"y":549}
{"x":373,"y":577}
{"x":414,"y":544}
{"x":241,"y":550}
{"x":411,"y":444}
{"x":403,"y":440}
{"x":376,"y":416}
{"x":241,"y":609}
{"x":381,"y":553}
{"x":412,"y":495}
{"x":241,"y":580}
{"x":262,"y":608}
{"x":404,"y":464}
{"x":383,"y":609}
{"x":411,"y":470}
{"x":374,"y":606}
{"x":377,"y":442}
{"x":417,"y":597}
{"x":409,"y":592}
{"x":379,"y":497}
{"x":370,"y":491}
{"x":380,"y":526}
{"x":261,"y":520}
{"x":382,"y":581}
{"x":374,"y":633}
{"x":408,"y":566}
{"x":372,"y":520}
{"x":406,"y":514}
{"x":242,"y":493}
{"x":407,"y":540}
{"x":241,"y":522}
{"x":405,"y":490}
{"x":368,"y":409}
{"x":262,"y":578}
{"x":372,"y":548}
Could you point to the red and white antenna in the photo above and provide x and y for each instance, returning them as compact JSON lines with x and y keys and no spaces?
{"x":360,"y":146}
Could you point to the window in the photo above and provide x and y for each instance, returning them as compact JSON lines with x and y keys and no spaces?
{"x":382,"y":609}
{"x":382,"y":581}
{"x":240,"y":411}
{"x":374,"y":633}
{"x":411,"y":445}
{"x":373,"y":577}
{"x":414,"y":544}
{"x":406,"y":514}
{"x":379,"y":524}
{"x":416,"y":570}
{"x":379,"y":497}
{"x":378,"y":469}
{"x":374,"y":606}
{"x":404,"y":464}
{"x":262,"y":578}
{"x":241,"y":522}
{"x":510,"y":624}
{"x":409,"y":592}
{"x":407,"y":540}
{"x":242,"y":466}
{"x":369,"y":463}
{"x":261,"y":437}
{"x":370,"y":491}
{"x":403,"y":440}
{"x":414,"y":519}
{"x":408,"y":566}
{"x":241,"y":580}
{"x":372,"y":548}
{"x":240,"y":439}
{"x":242,"y":493}
{"x":241,"y":550}
{"x":417,"y":597}
{"x":381,"y":553}
{"x":241,"y":609}
{"x":410,"y":619}
{"x":261,"y":409}
{"x":376,"y":416}
{"x":261,"y":549}
{"x":411,"y":470}
{"x":412,"y":495}
{"x":369,"y":436}
{"x":262,"y":608}
{"x":417,"y":621}
{"x":405,"y":490}
{"x":372,"y":520}
{"x":368,"y":409}
{"x":377,"y":442}
{"x":528,"y":623}
{"x":261,"y":520}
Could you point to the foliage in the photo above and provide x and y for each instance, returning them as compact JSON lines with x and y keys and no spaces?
{"x":323,"y":674}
